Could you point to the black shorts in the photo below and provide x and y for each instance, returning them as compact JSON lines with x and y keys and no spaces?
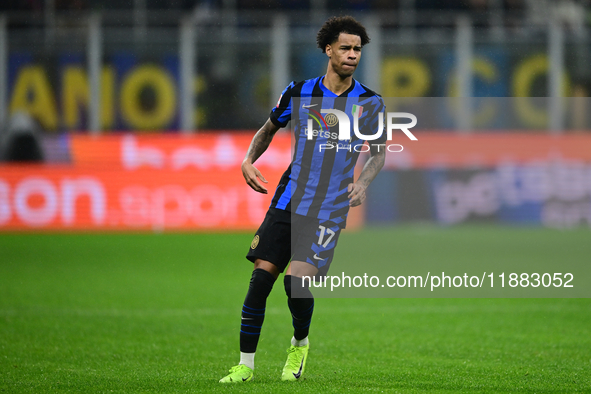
{"x":284,"y":236}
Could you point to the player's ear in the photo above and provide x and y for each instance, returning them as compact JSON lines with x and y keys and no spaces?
{"x":328,"y":50}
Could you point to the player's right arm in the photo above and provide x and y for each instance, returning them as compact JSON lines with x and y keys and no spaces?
{"x":259,"y":144}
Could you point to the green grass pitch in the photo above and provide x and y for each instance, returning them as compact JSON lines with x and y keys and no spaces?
{"x":159,"y":313}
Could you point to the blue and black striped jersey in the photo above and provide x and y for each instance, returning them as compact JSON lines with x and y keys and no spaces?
{"x":315,"y":183}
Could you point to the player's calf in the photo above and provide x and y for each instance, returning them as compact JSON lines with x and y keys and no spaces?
{"x":301,"y":305}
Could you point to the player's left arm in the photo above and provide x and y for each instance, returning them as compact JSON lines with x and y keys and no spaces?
{"x":369,"y":172}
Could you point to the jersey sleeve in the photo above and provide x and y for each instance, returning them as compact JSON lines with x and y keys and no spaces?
{"x":281,"y":113}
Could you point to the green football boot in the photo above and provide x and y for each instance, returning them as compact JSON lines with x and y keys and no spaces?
{"x":296,"y":363}
{"x":238,"y":374}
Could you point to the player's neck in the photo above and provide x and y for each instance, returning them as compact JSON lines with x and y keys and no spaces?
{"x":333,"y":82}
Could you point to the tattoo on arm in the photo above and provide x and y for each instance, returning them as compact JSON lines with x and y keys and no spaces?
{"x":372,"y":167}
{"x":261,"y":140}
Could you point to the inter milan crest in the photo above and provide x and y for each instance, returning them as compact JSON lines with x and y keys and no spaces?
{"x":331,"y":120}
{"x":255,"y":242}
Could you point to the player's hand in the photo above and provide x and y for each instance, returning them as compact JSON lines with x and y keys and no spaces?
{"x":356,"y":193}
{"x":251,"y":173}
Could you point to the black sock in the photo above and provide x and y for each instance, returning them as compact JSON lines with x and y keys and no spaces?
{"x":301,"y":308}
{"x":253,"y":309}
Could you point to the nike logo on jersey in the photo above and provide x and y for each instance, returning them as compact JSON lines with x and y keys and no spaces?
{"x":317,"y":258}
{"x":297,"y":375}
{"x":308,"y":106}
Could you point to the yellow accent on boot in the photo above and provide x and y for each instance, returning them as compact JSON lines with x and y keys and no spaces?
{"x":238,"y":374}
{"x":296,"y":363}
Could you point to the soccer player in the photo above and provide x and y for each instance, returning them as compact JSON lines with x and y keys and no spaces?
{"x":311,"y":202}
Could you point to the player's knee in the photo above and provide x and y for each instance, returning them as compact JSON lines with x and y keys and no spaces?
{"x":287,"y":285}
{"x":260,"y":276}
{"x":302,"y":269}
{"x":295,"y":287}
{"x":267,"y":266}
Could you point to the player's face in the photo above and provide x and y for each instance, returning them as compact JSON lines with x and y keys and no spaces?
{"x":344,"y":54}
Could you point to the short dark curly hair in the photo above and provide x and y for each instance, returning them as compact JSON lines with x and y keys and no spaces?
{"x":333,"y":27}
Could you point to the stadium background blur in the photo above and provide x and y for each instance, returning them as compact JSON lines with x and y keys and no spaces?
{"x":101,"y":92}
{"x":124,"y":217}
